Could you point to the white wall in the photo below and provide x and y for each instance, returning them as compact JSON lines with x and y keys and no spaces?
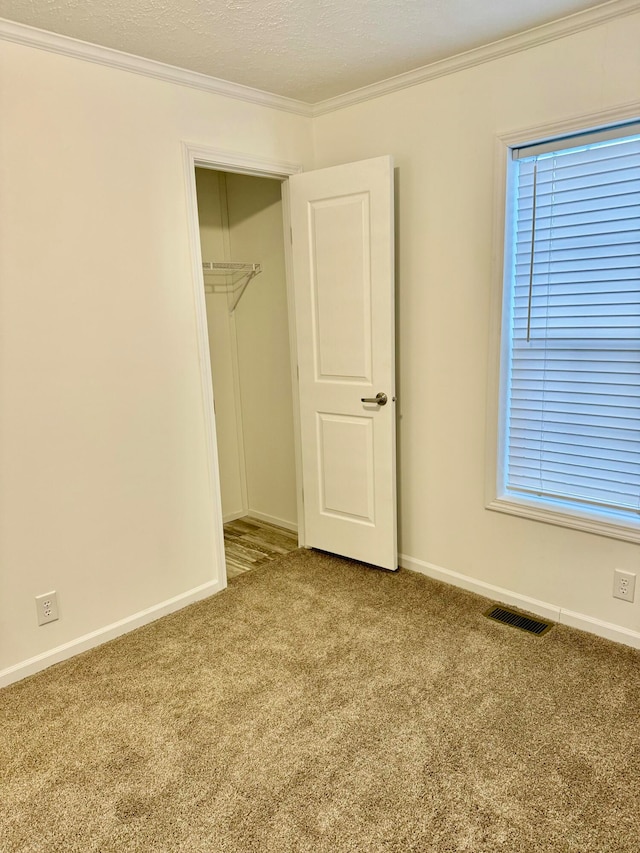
{"x":104,"y":493}
{"x":264,"y":360}
{"x":441,"y":134}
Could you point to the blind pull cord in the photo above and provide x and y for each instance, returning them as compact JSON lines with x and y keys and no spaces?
{"x":533,"y":245}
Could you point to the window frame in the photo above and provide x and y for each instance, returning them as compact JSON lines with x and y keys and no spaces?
{"x":538,"y":509}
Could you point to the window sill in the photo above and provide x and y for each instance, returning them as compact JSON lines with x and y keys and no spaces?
{"x":577,"y":520}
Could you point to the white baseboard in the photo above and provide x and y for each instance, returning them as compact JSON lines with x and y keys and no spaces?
{"x":617,"y":633}
{"x":82,"y":644}
{"x":272,"y":519}
{"x":541,"y":608}
{"x":234,"y":516}
{"x":603,"y":629}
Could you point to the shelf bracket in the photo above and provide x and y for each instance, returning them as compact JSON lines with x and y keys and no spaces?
{"x":237,"y":277}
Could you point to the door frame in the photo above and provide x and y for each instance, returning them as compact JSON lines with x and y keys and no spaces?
{"x":205,"y":157}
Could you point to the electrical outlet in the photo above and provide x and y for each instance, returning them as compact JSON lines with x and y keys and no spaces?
{"x":624,"y":585}
{"x":47,"y":606}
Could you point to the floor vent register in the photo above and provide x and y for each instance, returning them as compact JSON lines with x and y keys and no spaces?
{"x":517,"y":620}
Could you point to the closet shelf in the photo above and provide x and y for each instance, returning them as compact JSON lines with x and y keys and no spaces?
{"x":230,"y":277}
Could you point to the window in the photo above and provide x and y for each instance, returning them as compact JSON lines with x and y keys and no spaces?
{"x":570,"y":379}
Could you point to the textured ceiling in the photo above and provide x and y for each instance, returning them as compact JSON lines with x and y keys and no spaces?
{"x":305,"y":49}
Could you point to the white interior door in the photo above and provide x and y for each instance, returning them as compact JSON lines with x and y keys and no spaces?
{"x":343,"y":271}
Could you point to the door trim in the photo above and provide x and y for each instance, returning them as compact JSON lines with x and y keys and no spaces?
{"x":196,"y":155}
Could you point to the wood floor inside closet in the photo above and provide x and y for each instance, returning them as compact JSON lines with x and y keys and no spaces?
{"x":249,"y":543}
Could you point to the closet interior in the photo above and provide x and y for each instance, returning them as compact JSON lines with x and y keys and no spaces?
{"x":242,"y":243}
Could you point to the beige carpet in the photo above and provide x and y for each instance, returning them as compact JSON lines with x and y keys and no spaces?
{"x":319,"y":705}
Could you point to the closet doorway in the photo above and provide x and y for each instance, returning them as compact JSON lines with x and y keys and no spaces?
{"x":244,"y":274}
{"x":330,"y":399}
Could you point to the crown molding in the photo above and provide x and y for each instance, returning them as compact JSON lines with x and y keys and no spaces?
{"x":67,"y":46}
{"x":477,"y":56}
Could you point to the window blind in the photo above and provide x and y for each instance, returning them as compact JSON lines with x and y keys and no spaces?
{"x":573,"y":419}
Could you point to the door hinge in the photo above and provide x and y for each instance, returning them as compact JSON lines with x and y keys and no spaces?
{"x":290,"y":234}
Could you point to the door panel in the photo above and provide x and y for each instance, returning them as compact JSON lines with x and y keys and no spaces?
{"x":346,"y":493}
{"x":342,"y":228}
{"x":341,"y":330}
